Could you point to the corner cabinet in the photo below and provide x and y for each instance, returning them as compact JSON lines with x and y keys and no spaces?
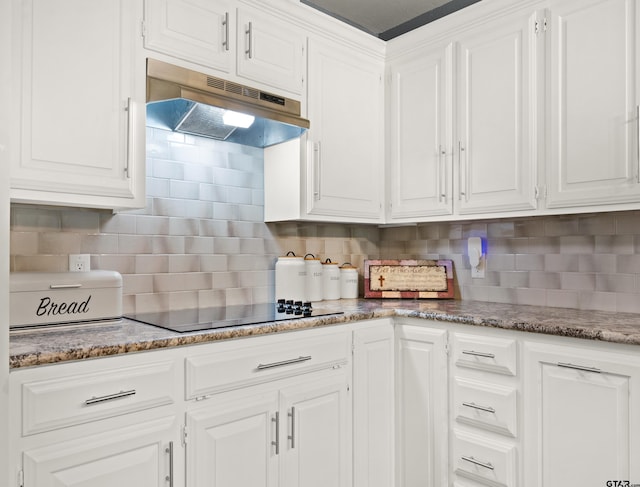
{"x":79,"y":73}
{"x":463,"y":130}
{"x":593,"y":103}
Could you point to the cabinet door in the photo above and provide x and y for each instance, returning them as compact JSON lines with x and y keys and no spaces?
{"x":420,"y":136}
{"x":199,"y":31}
{"x":496,"y":116}
{"x":233,"y":444}
{"x":316,"y":431}
{"x":373,"y":405}
{"x":421,"y":407}
{"x":581,"y":416}
{"x":136,"y":456}
{"x":270,"y":51}
{"x":346,"y":156}
{"x":80,"y":75}
{"x":593,"y":120}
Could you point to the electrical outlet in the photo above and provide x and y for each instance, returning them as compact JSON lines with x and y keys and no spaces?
{"x":79,"y":262}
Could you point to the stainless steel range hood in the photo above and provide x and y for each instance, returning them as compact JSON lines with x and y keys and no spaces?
{"x":187,"y":101}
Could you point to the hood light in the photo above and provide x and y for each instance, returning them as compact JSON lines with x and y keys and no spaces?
{"x":236,"y":119}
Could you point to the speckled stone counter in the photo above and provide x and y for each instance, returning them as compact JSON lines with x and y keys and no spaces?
{"x":76,"y":342}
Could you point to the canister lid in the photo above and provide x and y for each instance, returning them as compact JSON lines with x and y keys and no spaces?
{"x":313,"y":257}
{"x":292,"y":256}
{"x":328,"y":262}
{"x":348,"y":265}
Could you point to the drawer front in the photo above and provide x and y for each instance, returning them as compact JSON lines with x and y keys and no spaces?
{"x":66,"y":401}
{"x":485,"y":461}
{"x":485,"y":353}
{"x":250,"y":363}
{"x":489,"y":406}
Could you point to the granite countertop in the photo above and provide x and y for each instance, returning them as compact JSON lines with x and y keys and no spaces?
{"x":74,"y":342}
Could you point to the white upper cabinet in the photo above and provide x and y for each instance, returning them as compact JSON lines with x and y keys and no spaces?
{"x":420,"y":135}
{"x":80,"y":114}
{"x":593,"y":100}
{"x":495,"y":117}
{"x":345,"y":144}
{"x":243,"y":43}
{"x":270,"y":51}
{"x":462,"y":131}
{"x":199,"y":31}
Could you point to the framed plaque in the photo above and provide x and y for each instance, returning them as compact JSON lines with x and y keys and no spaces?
{"x":425,"y":279}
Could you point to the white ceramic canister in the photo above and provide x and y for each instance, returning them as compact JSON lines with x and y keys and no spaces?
{"x":314,"y":287}
{"x":348,"y":281}
{"x":330,"y":280}
{"x":291,"y":277}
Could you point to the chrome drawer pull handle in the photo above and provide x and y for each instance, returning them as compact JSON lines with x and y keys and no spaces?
{"x":579,"y":367}
{"x":109,"y":397}
{"x":481,"y":408}
{"x":478,"y":354}
{"x":486,"y":465}
{"x":284,"y":362}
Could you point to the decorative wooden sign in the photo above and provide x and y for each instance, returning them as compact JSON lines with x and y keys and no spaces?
{"x":427,"y":279}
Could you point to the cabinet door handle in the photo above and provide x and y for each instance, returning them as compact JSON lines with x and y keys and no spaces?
{"x":225,"y":23}
{"x":276,"y":442}
{"x":169,"y":450}
{"x":463,"y":176}
{"x":579,"y":367}
{"x":637,"y":143}
{"x":292,"y":436}
{"x":128,"y":144}
{"x":317,"y":156}
{"x":290,"y":361}
{"x":488,"y":409}
{"x":486,"y":465}
{"x":109,"y":397}
{"x":479,"y":354}
{"x":442,"y":176}
{"x":249,"y":32}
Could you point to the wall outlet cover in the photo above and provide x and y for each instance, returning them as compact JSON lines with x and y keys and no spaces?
{"x":79,"y":262}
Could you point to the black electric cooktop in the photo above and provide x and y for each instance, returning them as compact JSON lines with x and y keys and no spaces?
{"x":199,"y":319}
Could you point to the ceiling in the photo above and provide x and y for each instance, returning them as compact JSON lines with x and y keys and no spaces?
{"x":387,"y":19}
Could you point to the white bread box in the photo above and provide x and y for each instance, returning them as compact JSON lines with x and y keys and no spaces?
{"x":38,"y":298}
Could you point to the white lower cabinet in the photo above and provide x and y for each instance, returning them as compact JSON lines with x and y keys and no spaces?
{"x":390,"y":402}
{"x":421,"y":406}
{"x":99,"y":423}
{"x":293,"y":433}
{"x":582,"y":425}
{"x":138,"y":455}
{"x":373,"y":397}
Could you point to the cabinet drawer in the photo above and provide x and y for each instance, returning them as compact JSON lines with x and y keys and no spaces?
{"x":255,"y":361}
{"x":485,"y":353}
{"x":489,"y":406}
{"x":74,"y":399}
{"x":488,"y":462}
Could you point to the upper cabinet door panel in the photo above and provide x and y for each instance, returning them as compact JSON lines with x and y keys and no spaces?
{"x":593,"y":121}
{"x":81,"y":105}
{"x":270,"y":51}
{"x":496,"y":116}
{"x":419,"y":135}
{"x":199,"y":31}
{"x":346,"y":106}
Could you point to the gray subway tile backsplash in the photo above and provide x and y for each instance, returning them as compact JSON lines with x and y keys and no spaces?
{"x":201,"y":241}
